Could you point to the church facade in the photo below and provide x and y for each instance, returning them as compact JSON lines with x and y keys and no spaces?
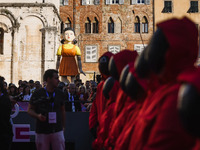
{"x":29,"y":38}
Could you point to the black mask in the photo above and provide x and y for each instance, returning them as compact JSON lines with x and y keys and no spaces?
{"x":188,"y":107}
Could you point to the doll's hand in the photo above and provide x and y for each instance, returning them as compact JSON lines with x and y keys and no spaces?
{"x":57,"y":65}
{"x":81,"y":71}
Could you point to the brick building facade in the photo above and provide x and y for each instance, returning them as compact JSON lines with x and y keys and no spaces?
{"x":107,"y":25}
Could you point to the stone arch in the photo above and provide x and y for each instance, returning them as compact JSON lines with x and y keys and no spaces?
{"x":91,"y":15}
{"x":4,"y":26}
{"x":64,"y":16}
{"x":38,"y":15}
{"x":10,"y":15}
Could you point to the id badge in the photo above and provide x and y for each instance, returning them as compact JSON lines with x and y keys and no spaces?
{"x":52,"y":117}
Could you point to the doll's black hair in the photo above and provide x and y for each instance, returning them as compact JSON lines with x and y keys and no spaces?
{"x":69,"y":28}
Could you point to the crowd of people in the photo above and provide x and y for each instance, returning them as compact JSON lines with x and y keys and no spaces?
{"x":83,"y":94}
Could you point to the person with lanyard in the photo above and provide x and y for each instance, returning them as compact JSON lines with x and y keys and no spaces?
{"x":6,"y":133}
{"x":47,"y":106}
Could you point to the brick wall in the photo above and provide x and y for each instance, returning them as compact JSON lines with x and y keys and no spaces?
{"x":119,"y":13}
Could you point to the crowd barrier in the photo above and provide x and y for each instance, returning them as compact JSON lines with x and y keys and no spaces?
{"x":76,"y":130}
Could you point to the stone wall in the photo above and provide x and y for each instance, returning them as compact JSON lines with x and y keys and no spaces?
{"x":31,"y":38}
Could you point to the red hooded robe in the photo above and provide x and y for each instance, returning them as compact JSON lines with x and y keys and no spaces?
{"x":98,"y":104}
{"x":121,"y":60}
{"x":158,"y":126}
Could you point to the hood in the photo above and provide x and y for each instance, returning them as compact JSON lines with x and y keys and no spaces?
{"x":191,"y":76}
{"x":182,"y":37}
{"x":103,"y":64}
{"x":123,"y":58}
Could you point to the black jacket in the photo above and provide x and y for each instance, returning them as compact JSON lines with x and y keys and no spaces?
{"x":68,"y":103}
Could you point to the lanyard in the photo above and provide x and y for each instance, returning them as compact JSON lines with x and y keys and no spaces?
{"x":1,"y":94}
{"x":71,"y":99}
{"x":54,"y":94}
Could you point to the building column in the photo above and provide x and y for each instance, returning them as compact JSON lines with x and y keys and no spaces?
{"x":14,"y":56}
{"x":49,"y":48}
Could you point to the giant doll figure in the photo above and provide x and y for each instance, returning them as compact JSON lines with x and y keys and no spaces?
{"x":68,"y":51}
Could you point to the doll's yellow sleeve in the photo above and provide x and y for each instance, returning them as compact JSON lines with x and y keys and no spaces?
{"x":78,"y":51}
{"x":59,"y":50}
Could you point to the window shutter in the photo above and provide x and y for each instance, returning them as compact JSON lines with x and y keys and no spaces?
{"x":65,"y":2}
{"x":146,"y":28}
{"x":147,"y":2}
{"x":107,"y":2}
{"x":96,"y":2}
{"x":91,"y":54}
{"x":133,"y":2}
{"x":83,"y":2}
{"x":143,"y":28}
{"x":121,"y":2}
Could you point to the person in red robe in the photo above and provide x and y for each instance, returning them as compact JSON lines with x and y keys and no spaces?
{"x":111,"y":86}
{"x":172,"y":51}
{"x":137,"y":89}
{"x":98,"y":104}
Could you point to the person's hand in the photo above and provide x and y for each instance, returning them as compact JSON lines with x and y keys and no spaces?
{"x":41,"y":117}
{"x":81,"y":71}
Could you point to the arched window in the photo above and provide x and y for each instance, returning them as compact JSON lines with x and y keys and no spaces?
{"x":68,"y":23}
{"x":95,"y":25}
{"x":111,"y":25}
{"x":137,"y":24}
{"x":144,"y":25}
{"x":1,"y":40}
{"x":87,"y":25}
{"x":118,"y":26}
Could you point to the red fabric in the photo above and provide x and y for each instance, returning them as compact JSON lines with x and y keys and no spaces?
{"x":126,"y":116}
{"x":191,"y":76}
{"x":125,"y":108}
{"x":182,"y":36}
{"x":106,"y":118}
{"x":157,"y":126}
{"x":99,"y":103}
{"x":122,"y":142}
{"x":123,"y":58}
{"x":119,"y":123}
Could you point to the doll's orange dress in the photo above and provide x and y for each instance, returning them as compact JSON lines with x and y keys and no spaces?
{"x":68,"y":65}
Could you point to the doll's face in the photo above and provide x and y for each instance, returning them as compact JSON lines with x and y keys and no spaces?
{"x":69,"y":35}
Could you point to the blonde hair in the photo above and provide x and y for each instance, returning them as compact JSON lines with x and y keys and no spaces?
{"x":82,"y":86}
